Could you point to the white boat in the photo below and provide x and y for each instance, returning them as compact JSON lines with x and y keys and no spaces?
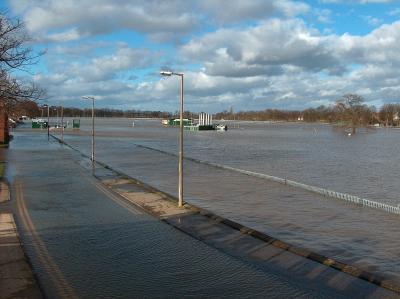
{"x":220,"y":127}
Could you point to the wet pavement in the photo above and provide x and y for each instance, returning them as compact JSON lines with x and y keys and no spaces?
{"x":87,"y":241}
{"x":16,"y":276}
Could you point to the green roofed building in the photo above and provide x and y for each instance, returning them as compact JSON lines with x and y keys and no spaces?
{"x":176,"y":122}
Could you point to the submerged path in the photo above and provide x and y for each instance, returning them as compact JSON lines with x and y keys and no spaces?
{"x":85,"y":240}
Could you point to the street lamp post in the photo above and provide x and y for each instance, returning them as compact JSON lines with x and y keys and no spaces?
{"x":62,"y":124}
{"x":48,"y":121}
{"x":180,"y":163}
{"x":56,"y":110}
{"x":91,"y":98}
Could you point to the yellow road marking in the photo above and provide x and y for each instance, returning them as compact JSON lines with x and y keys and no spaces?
{"x":64,"y":290}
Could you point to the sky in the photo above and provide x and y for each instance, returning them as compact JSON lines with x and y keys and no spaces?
{"x":234,"y":54}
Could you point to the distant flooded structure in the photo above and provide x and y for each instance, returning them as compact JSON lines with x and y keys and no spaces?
{"x":205,"y":123}
{"x":205,"y":119}
{"x":176,"y":122}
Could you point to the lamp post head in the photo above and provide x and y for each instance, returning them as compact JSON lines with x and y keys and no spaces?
{"x":87,"y":98}
{"x":166,"y":73}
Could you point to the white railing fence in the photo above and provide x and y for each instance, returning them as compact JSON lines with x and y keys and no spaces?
{"x":325,"y":192}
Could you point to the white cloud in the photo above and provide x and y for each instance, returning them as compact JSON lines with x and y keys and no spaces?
{"x":81,"y":49}
{"x":380,"y":46}
{"x":54,"y":18}
{"x":292,"y":8}
{"x":310,"y":67}
{"x":98,"y":68}
{"x":226,"y":11}
{"x":65,"y":36}
{"x":372,"y":21}
{"x":264,"y":47}
{"x":108,"y":66}
{"x":394,"y":12}
{"x":323,"y":15}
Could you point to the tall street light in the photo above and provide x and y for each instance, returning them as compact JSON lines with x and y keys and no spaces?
{"x":48,"y":120}
{"x":180,"y":166}
{"x":62,"y":124}
{"x":56,"y":110}
{"x":91,"y":98}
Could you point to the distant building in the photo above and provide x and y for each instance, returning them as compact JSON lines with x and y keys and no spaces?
{"x":176,"y":122}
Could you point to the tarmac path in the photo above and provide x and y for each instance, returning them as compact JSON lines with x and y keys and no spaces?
{"x":57,"y":278}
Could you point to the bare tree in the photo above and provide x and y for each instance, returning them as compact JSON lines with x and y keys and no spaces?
{"x":389,"y":113}
{"x":15,"y":55}
{"x":352,"y":111}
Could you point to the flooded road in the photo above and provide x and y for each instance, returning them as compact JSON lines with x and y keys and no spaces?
{"x":313,"y":154}
{"x":83,"y":242}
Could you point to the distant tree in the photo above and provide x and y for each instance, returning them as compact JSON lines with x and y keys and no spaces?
{"x":396,"y":117}
{"x":26,"y":107}
{"x":389,"y":113}
{"x":352,"y":111}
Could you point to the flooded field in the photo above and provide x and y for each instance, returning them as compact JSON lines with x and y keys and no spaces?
{"x":364,"y":164}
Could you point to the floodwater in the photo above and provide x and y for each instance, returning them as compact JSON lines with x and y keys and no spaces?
{"x":85,"y":243}
{"x":364,"y":164}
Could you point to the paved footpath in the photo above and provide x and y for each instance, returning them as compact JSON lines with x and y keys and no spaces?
{"x":89,"y":234}
{"x":16,"y":276}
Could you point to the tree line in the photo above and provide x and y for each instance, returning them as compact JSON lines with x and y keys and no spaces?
{"x":104,"y":112}
{"x":349,"y":111}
